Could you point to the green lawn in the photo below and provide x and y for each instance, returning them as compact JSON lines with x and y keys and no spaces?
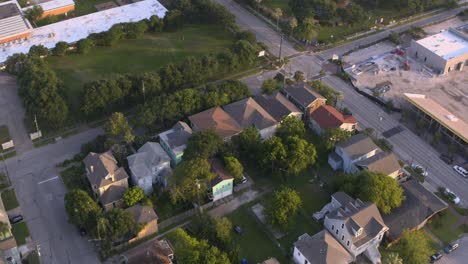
{"x":32,"y":258}
{"x":255,"y":243}
{"x":83,"y":7}
{"x":283,"y":4}
{"x":4,"y":134}
{"x":20,"y":232}
{"x":136,"y":56}
{"x":9,"y":199}
{"x":74,"y":178}
{"x":441,"y":226}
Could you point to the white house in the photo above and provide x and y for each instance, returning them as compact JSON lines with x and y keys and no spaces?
{"x":357,"y":148}
{"x":150,"y":165}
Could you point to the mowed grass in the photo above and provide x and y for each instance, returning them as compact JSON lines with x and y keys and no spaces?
{"x":4,"y":134}
{"x":283,"y":4}
{"x":20,"y":232}
{"x":84,"y":7}
{"x":136,"y":56}
{"x":442,"y":224}
{"x":9,"y":199}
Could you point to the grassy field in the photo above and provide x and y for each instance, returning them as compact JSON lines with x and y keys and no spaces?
{"x":441,"y":226}
{"x":83,"y":7}
{"x":4,"y":134}
{"x":20,"y":232}
{"x":9,"y":199}
{"x":136,"y":56}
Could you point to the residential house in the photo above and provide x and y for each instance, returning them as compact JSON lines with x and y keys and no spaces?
{"x":108,"y":180}
{"x":150,"y":165}
{"x":383,"y":162}
{"x":153,"y":252}
{"x":146,"y":217}
{"x":217,"y":119}
{"x":418,"y":207}
{"x":174,"y":141}
{"x":321,"y":248}
{"x":357,"y":148}
{"x":357,"y":226}
{"x":304,"y":97}
{"x":222,"y":184}
{"x":278,"y":106}
{"x":248,"y":113}
{"x":8,"y":249}
{"x":327,"y":117}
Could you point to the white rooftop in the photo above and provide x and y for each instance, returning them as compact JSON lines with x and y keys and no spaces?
{"x":52,"y":4}
{"x":74,"y":29}
{"x":447,"y":44}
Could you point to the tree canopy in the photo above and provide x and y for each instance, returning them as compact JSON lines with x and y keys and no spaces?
{"x":234,"y":167}
{"x":82,"y":210}
{"x":133,"y":195}
{"x":332,"y":136}
{"x":204,"y":145}
{"x":290,"y":126}
{"x":118,"y":128}
{"x":269,"y":86}
{"x":414,"y":247}
{"x":120,"y":223}
{"x":283,"y":207}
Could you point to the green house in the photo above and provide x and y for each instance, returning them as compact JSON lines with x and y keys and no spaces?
{"x":223,"y":183}
{"x":174,"y":141}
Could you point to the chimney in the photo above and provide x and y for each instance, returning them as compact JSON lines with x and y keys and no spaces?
{"x":91,"y":168}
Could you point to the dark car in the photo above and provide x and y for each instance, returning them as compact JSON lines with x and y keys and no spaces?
{"x":16,"y":219}
{"x":446,"y":158}
{"x":238,"y":229}
{"x":436,"y":257}
{"x":448,"y":249}
{"x":83,"y":232}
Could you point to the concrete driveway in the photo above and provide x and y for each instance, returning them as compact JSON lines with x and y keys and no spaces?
{"x":458,"y":256}
{"x":12,"y":113}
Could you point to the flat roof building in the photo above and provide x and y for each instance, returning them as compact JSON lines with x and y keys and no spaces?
{"x":446,"y":51}
{"x":13,"y":26}
{"x":53,"y":7}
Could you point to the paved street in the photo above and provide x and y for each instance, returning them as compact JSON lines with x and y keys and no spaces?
{"x":458,"y":256}
{"x":41,"y":194}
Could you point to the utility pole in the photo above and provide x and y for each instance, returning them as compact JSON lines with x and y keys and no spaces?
{"x":281,"y":46}
{"x":143,"y":89}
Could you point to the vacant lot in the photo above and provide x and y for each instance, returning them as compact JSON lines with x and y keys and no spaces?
{"x":136,"y":56}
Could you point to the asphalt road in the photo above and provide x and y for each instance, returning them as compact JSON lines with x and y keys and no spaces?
{"x":41,"y":192}
{"x":458,"y":256}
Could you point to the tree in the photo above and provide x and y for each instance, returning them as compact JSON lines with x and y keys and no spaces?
{"x":34,"y":13}
{"x":38,"y":50}
{"x":299,"y":76}
{"x":117,"y":127}
{"x":60,"y":48}
{"x":293,"y":24}
{"x":120,"y":223}
{"x":324,"y":9}
{"x":234,"y":167}
{"x":353,"y":14}
{"x":332,"y":136}
{"x":278,"y":13}
{"x":392,"y":258}
{"x":300,"y":154}
{"x":269,"y":86}
{"x":133,"y":195}
{"x":273,"y":153}
{"x":204,"y":144}
{"x":283,"y":207}
{"x":82,"y":210}
{"x":307,"y":30}
{"x":290,"y":126}
{"x":413,"y":247}
{"x":84,"y":46}
{"x":248,"y":143}
{"x":380,"y":189}
{"x":223,"y":229}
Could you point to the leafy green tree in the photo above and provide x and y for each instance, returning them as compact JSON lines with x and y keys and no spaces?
{"x":301,"y":8}
{"x":204,"y":144}
{"x":38,"y":50}
{"x":84,"y":46}
{"x":60,"y":48}
{"x":324,"y":9}
{"x":283,"y":207}
{"x":269,"y":86}
{"x":234,"y":167}
{"x":248,"y":143}
{"x":120,"y":223}
{"x":273,"y":153}
{"x":223,"y":229}
{"x":392,"y":258}
{"x":353,"y":14}
{"x":34,"y":13}
{"x":300,"y":154}
{"x":332,"y":136}
{"x":290,"y":126}
{"x":133,"y":195}
{"x":307,"y":30}
{"x":117,"y":127}
{"x":112,"y":36}
{"x":82,"y":210}
{"x":380,"y":189}
{"x":299,"y":76}
{"x":414,"y":247}
{"x":293,"y":24}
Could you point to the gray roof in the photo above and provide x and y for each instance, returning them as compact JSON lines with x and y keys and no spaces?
{"x":112,"y":194}
{"x":177,"y":136}
{"x":322,"y":248}
{"x":9,"y":10}
{"x":149,"y":155}
{"x":342,"y":197}
{"x":277,"y":105}
{"x":101,"y":165}
{"x":142,"y":214}
{"x":382,"y":162}
{"x":11,"y":21}
{"x":420,"y":204}
{"x":358,"y":145}
{"x":248,"y":113}
{"x":302,"y":94}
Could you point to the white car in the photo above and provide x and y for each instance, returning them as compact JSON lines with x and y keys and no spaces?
{"x":415,"y":166}
{"x":461,"y":170}
{"x":456,"y":199}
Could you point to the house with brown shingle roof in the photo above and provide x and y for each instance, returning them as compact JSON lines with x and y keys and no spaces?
{"x":217,"y":119}
{"x":108,"y":181}
{"x":248,"y":113}
{"x":383,"y":162}
{"x":152,"y":252}
{"x":304,"y":97}
{"x":278,"y":106}
{"x":146,"y":217}
{"x":327,"y":117}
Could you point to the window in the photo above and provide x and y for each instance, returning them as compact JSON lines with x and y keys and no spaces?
{"x":333,"y":227}
{"x":305,"y":261}
{"x":337,"y":231}
{"x":298,"y":253}
{"x":425,"y":59}
{"x":342,"y":238}
{"x":380,"y":236}
{"x":347,"y":244}
{"x":342,"y":225}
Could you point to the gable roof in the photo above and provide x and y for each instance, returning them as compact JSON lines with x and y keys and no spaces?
{"x":322,"y":248}
{"x":358,"y":145}
{"x":420,"y":204}
{"x":382,"y":162}
{"x":149,"y":155}
{"x":112,"y":194}
{"x":342,"y":197}
{"x":303,"y":94}
{"x":142,"y":214}
{"x":221,"y":173}
{"x":217,"y":119}
{"x":328,"y":117}
{"x":248,"y":112}
{"x":100,"y":165}
{"x":177,"y":136}
{"x":277,"y":105}
{"x":154,"y":252}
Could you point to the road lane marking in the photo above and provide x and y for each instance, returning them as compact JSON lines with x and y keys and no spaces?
{"x":48,"y":180}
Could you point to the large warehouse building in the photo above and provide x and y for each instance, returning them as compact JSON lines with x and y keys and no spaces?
{"x":13,"y":26}
{"x":444,"y":52}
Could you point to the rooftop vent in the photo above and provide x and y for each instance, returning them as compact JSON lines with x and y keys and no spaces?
{"x":452,"y":118}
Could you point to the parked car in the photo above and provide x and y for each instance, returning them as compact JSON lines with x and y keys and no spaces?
{"x":83,"y":232}
{"x":419,"y":168}
{"x":446,"y":158}
{"x":461,"y":171}
{"x":455,"y":199}
{"x":238,"y":229}
{"x":448,"y":249}
{"x":16,"y":219}
{"x":436,"y":257}
{"x":244,"y":179}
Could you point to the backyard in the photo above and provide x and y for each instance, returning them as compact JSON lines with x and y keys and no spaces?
{"x":136,"y":56}
{"x":9,"y":199}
